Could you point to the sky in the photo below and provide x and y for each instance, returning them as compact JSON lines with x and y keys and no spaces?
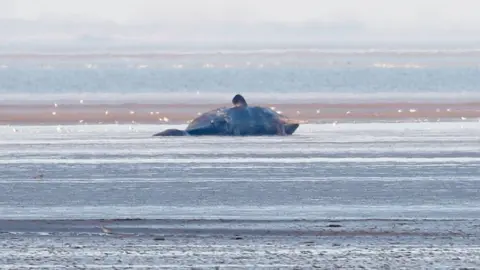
{"x":416,"y":18}
{"x":394,"y":14}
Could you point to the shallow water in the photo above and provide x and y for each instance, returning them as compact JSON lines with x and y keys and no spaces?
{"x":170,"y":77}
{"x":365,"y":195}
{"x":352,"y":171}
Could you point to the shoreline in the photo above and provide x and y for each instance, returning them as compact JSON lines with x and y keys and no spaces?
{"x":181,"y":113}
{"x":247,"y":227}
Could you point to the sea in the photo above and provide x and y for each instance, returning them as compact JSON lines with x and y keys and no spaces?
{"x":263,"y":75}
{"x":366,"y":173}
{"x":346,"y":171}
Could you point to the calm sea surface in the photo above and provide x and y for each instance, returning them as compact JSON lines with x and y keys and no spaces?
{"x":286,"y":74}
{"x":395,"y":190}
{"x":370,"y":170}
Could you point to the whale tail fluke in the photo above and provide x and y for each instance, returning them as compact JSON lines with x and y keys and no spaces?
{"x":172,"y":132}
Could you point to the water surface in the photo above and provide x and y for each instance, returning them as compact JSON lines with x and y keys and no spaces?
{"x":354,"y":171}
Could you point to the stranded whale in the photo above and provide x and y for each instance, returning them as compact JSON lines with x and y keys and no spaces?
{"x":239,"y":120}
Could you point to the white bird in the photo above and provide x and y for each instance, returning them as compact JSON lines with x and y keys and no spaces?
{"x":81,"y":101}
{"x":348,"y":112}
{"x":273,"y":108}
{"x":318,"y":111}
{"x":55,"y":104}
{"x":132,"y":112}
{"x":80,"y":121}
{"x":400,"y":110}
{"x":165,"y":119}
{"x":106,"y":112}
{"x":464,"y":118}
{"x":413,"y":110}
{"x":298,"y":112}
{"x":449,"y":110}
{"x":54,"y":113}
{"x":15,"y":130}
{"x":105,"y":230}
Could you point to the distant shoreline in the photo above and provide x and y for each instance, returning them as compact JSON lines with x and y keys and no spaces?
{"x":181,"y":113}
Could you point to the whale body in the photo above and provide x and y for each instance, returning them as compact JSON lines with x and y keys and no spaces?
{"x":239,"y":120}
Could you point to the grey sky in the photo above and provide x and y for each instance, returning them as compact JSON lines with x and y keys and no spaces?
{"x":392,"y":14}
{"x":342,"y":22}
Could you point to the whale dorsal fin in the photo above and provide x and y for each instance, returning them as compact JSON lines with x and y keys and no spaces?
{"x":239,"y":101}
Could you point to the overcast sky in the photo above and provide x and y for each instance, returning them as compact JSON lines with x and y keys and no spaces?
{"x":343,"y":21}
{"x":373,"y":13}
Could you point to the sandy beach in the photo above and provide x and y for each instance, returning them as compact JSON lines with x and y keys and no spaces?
{"x":179,"y":113}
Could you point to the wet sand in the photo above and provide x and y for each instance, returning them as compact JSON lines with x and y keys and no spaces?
{"x":180,"y":252}
{"x":241,"y":244}
{"x":178,"y":113}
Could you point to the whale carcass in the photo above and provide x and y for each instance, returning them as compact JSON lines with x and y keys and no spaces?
{"x":239,"y":120}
